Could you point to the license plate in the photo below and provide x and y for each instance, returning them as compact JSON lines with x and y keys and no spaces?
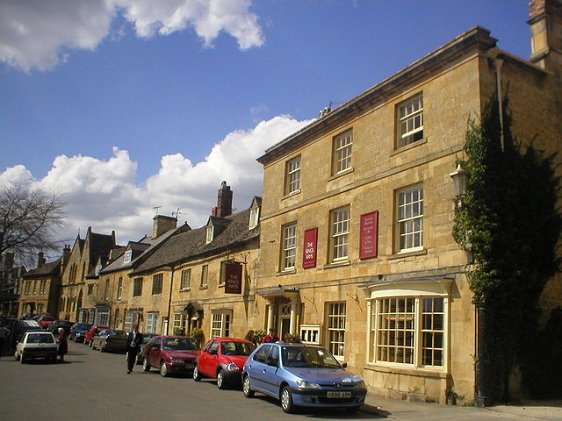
{"x":339,"y":394}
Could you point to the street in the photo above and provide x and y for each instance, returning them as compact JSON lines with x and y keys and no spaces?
{"x":91,"y":385}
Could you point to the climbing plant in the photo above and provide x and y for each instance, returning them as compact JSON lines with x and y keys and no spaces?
{"x":510,"y":224}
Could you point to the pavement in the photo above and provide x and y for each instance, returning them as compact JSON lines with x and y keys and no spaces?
{"x":409,"y":410}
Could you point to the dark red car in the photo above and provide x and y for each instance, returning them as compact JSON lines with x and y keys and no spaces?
{"x":170,"y":354}
{"x":45,"y":320}
{"x":223,"y":359}
{"x":94,"y":330}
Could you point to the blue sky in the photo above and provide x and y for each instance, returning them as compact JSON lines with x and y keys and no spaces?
{"x":119,"y":106}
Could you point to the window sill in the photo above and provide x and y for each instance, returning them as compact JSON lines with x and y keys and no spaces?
{"x":220,"y":285}
{"x":341,"y":174}
{"x":409,"y":146}
{"x":400,"y":255}
{"x":291,"y":194}
{"x":185,"y":289}
{"x":337,"y":264}
{"x":410,"y":370}
{"x":287,"y":272}
{"x":204,"y":287}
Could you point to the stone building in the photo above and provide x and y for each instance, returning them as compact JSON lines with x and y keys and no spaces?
{"x":79,"y":299}
{"x":356,"y":246}
{"x":11,"y":277}
{"x":40,"y":287}
{"x":118,"y":286}
{"x":203,"y":278}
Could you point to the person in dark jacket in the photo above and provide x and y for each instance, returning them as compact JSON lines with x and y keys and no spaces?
{"x":134,"y":342}
{"x":63,"y":344}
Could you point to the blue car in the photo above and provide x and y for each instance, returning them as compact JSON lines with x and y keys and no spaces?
{"x":301,"y":375}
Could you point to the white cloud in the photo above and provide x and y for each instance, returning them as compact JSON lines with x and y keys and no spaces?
{"x":39,"y":33}
{"x":103,"y":194}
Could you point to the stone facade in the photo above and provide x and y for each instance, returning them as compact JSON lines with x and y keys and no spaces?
{"x":394,"y":303}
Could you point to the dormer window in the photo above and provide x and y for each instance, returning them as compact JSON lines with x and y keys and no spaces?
{"x":210,"y":234}
{"x":254,"y":217}
{"x":128,"y":256}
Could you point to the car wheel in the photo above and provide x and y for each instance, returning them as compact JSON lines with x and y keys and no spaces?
{"x":287,"y":400}
{"x":246,"y":389}
{"x":163,"y":369}
{"x":221,"y":382}
{"x":146,"y":365}
{"x":196,"y":374}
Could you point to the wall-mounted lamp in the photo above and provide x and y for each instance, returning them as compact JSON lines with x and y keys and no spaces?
{"x":460,"y":181}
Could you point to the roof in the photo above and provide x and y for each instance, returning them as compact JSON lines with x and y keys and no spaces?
{"x":475,"y":39}
{"x":47,"y":269}
{"x":190,"y":244}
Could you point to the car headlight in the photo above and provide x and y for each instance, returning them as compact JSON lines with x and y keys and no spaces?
{"x":232,"y":367}
{"x":302,"y":384}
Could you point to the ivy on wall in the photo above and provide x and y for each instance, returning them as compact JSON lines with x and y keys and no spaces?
{"x":510,"y":224}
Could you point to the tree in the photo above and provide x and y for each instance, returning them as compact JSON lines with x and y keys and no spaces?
{"x":510,"y":224}
{"x":28,"y":221}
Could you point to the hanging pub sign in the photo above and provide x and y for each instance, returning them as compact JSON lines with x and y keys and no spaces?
{"x":309,"y":253}
{"x":233,"y":278}
{"x":368,"y":237}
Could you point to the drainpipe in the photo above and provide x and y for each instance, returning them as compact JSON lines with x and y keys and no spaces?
{"x":499,"y":64}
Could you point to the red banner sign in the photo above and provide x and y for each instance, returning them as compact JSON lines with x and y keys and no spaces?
{"x":309,"y":252}
{"x":369,"y":231}
{"x":233,"y":278}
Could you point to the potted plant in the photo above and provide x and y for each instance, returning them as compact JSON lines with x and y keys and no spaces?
{"x":197,"y":335}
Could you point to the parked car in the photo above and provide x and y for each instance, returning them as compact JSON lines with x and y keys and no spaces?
{"x":146,"y":337}
{"x":110,"y":340}
{"x":45,"y":320}
{"x":54,"y":327}
{"x":19,"y":329}
{"x":301,"y":375}
{"x":36,"y":344}
{"x":78,"y":331}
{"x":171,"y":354}
{"x":223,"y":359}
{"x":93,"y":331}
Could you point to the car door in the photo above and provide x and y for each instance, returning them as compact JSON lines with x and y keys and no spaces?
{"x":154,"y":352}
{"x":271,"y":380}
{"x":256,"y":368}
{"x":207,"y":358}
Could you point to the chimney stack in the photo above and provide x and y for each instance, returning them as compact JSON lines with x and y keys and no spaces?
{"x":545,"y":21}
{"x":163,"y":224}
{"x":40,"y":260}
{"x":224,"y":202}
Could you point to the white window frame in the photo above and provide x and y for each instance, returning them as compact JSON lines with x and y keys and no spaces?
{"x":409,"y":218}
{"x":119,"y":288}
{"x":127,"y":257}
{"x":254,"y":217}
{"x":339,"y":234}
{"x":342,"y":152}
{"x":409,"y":121}
{"x":220,"y":323}
{"x":179,"y":322}
{"x":103,"y":317}
{"x":204,"y":276}
{"x":335,"y":326}
{"x":151,"y":322}
{"x":289,"y":245}
{"x":311,"y":334}
{"x":293,"y":175}
{"x":185,"y":280}
{"x":209,"y":234}
{"x":417,"y":291}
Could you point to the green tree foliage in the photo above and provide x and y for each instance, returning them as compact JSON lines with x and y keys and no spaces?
{"x":510,"y":224}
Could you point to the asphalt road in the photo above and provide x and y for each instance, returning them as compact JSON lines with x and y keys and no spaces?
{"x":91,"y":385}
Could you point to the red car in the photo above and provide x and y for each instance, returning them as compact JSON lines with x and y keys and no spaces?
{"x":171,"y":354}
{"x":223,"y":359}
{"x":45,"y":320}
{"x":94,"y":330}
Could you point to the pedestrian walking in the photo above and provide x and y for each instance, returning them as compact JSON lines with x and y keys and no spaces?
{"x":63,"y":344}
{"x":134,"y":342}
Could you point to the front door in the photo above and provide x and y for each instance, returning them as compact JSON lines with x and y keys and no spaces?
{"x":284,"y":320}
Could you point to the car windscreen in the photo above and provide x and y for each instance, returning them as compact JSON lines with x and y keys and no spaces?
{"x":36,"y":338}
{"x":308,"y":357}
{"x":178,"y":344}
{"x":236,"y":348}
